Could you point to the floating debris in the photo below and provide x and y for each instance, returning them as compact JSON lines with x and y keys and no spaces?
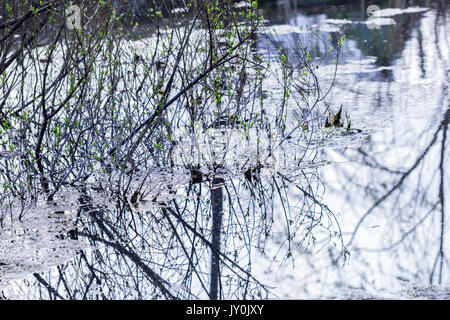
{"x":8,"y":154}
{"x":44,"y":59}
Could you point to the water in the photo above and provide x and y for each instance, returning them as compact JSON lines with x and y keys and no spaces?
{"x":361,"y":216}
{"x":393,"y":80}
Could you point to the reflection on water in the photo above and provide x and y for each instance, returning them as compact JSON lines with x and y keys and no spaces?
{"x":391,"y":192}
{"x":366,"y":218}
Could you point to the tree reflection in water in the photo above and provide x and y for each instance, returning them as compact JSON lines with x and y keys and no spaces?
{"x":216,"y":234}
{"x":391,"y":191}
{"x":163,"y":252}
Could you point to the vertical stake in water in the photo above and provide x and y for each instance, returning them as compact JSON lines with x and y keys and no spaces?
{"x":217,"y":209}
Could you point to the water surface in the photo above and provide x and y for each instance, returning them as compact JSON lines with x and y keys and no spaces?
{"x":361,"y":216}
